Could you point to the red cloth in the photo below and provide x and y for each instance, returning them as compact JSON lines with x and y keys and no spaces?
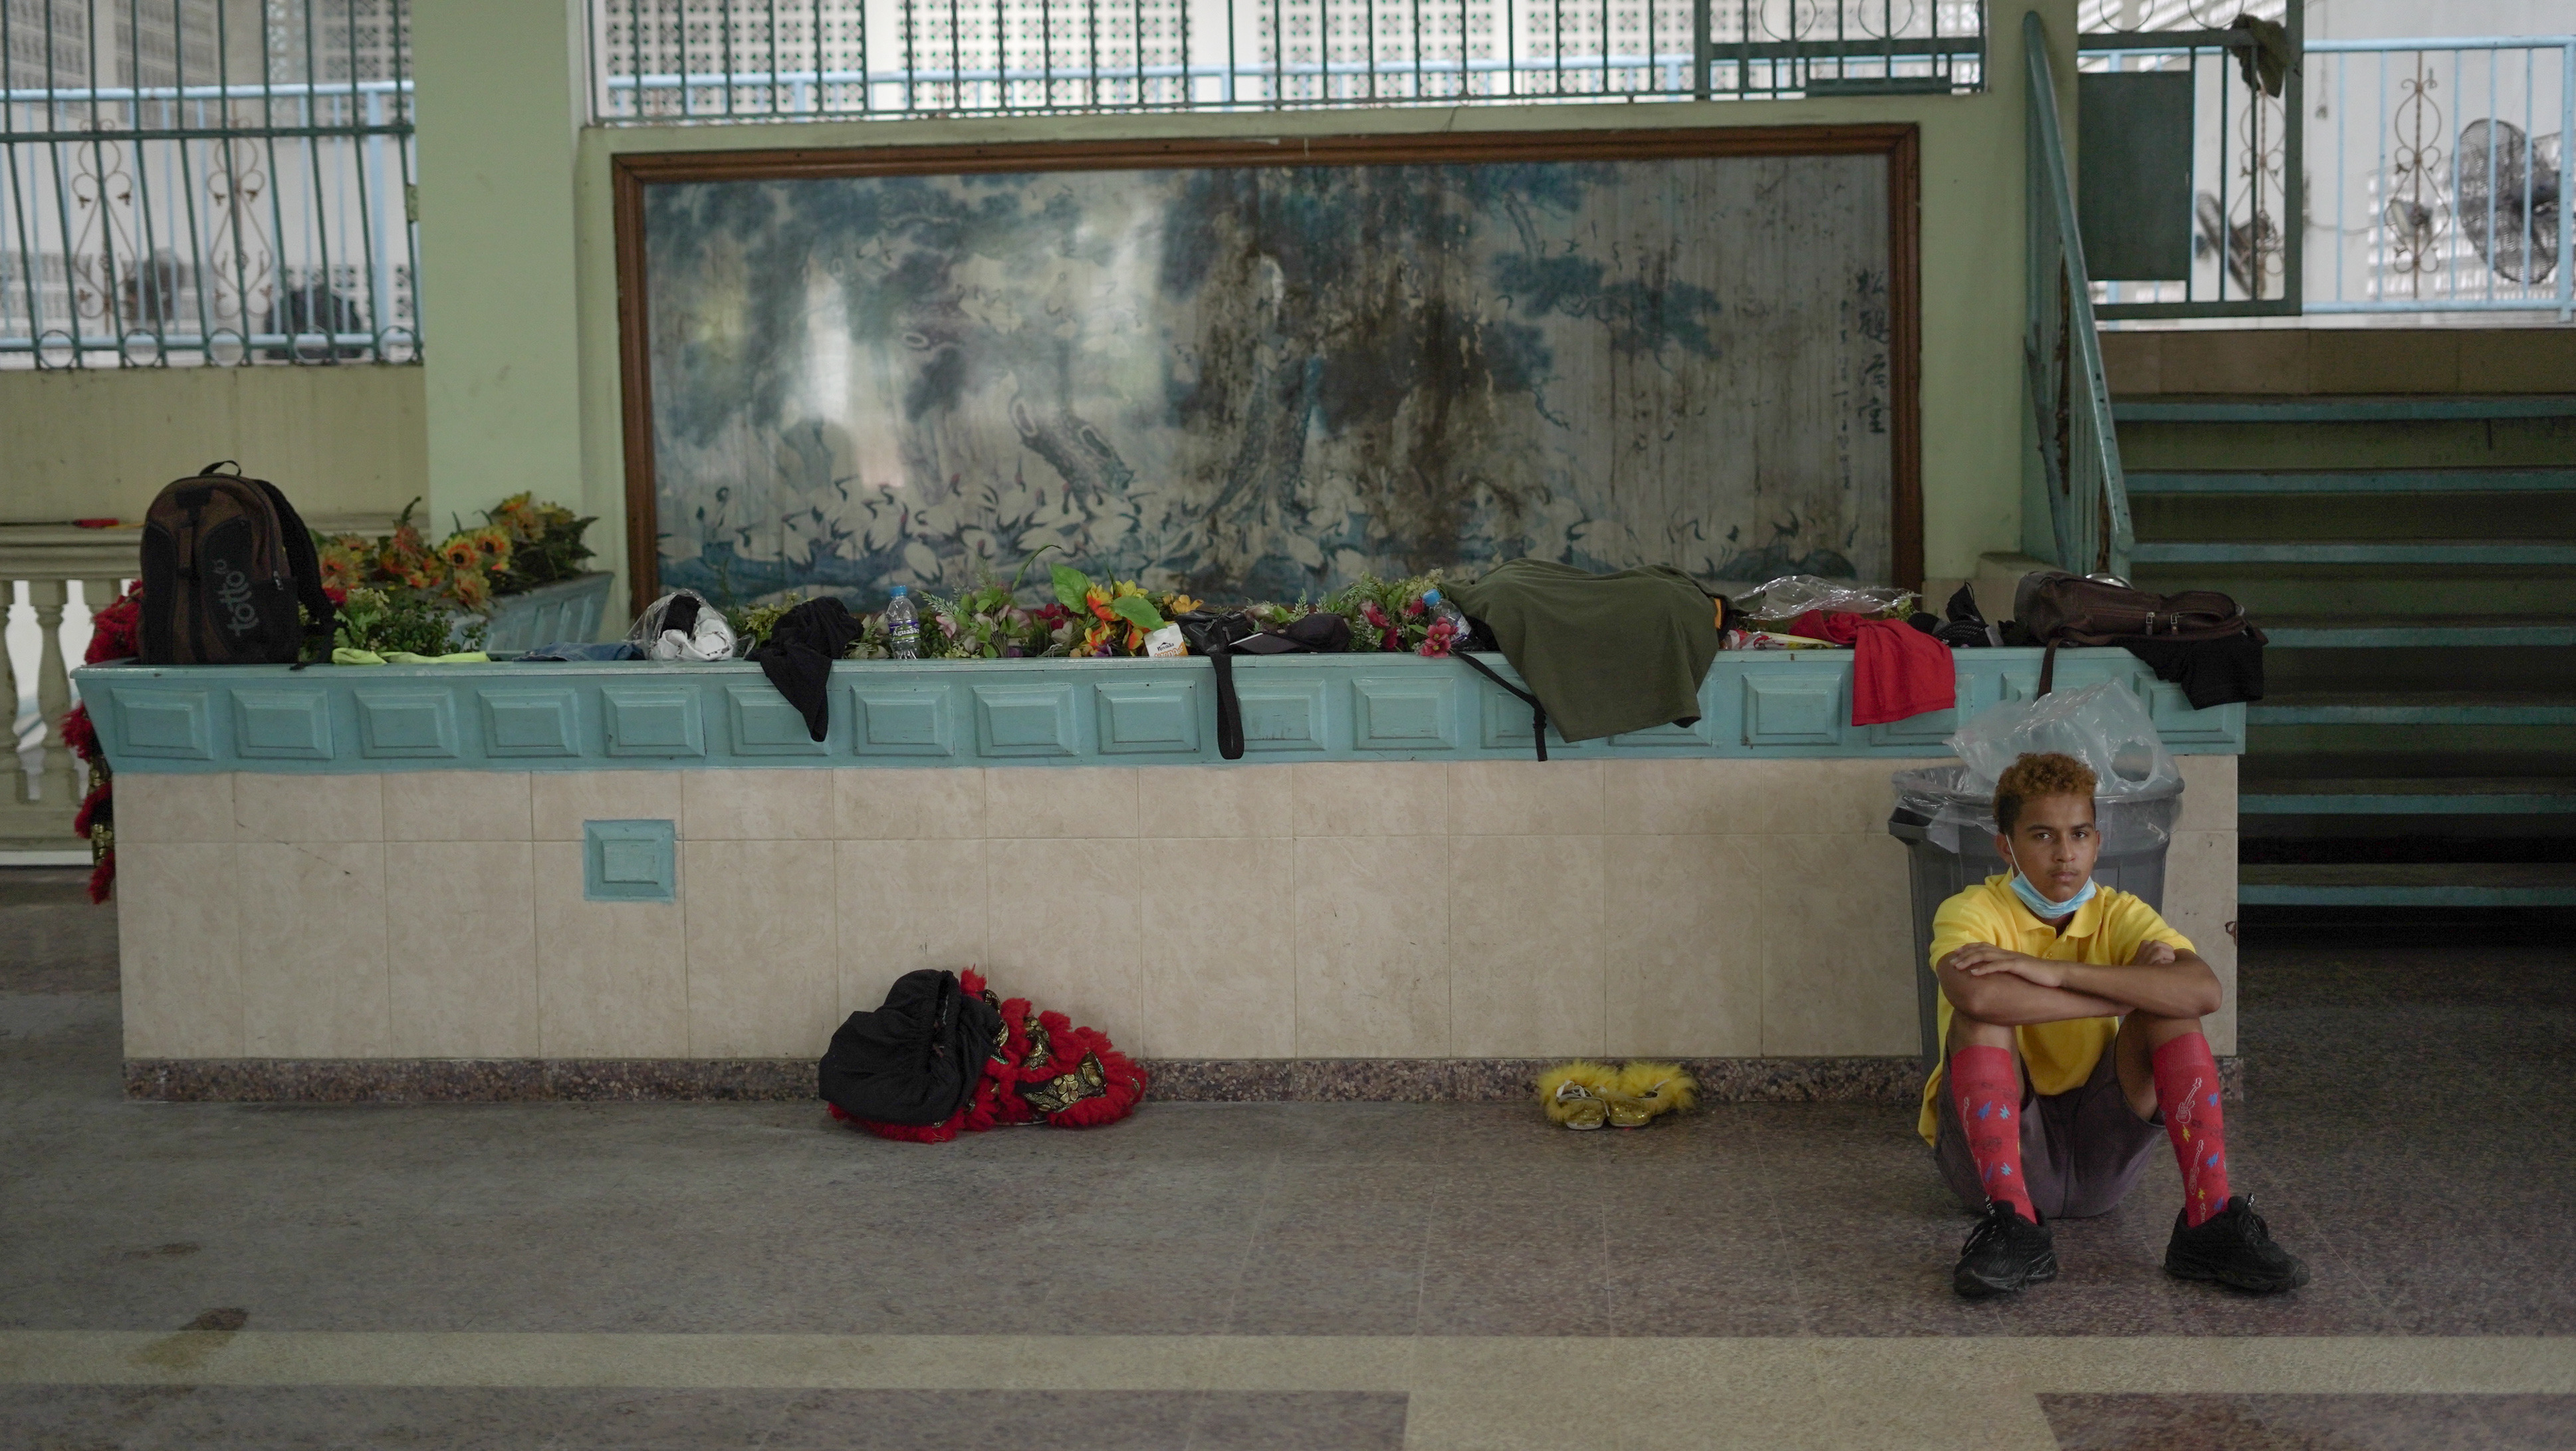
{"x":2187,"y":1096}
{"x":1842,"y":629}
{"x":1987,"y":1090}
{"x":1897,"y":671}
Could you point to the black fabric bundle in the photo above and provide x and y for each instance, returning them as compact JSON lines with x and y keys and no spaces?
{"x":1963,"y":626}
{"x":915,"y":1060}
{"x":2210,"y":672}
{"x":797,"y":657}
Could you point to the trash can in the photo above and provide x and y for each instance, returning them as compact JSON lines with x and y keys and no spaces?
{"x":1952,"y":836}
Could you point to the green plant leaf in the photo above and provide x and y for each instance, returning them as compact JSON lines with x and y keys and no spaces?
{"x":1138,"y":611}
{"x":1024,"y":569}
{"x":1069,"y":585}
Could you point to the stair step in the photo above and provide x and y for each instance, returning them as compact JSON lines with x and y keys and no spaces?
{"x":2354,"y":481}
{"x":2340,"y":410}
{"x":2407,"y":632}
{"x":2408,"y":884}
{"x":2357,"y":551}
{"x":2471,"y":708}
{"x":2408,"y":796}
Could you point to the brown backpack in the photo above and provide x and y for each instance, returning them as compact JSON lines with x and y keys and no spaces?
{"x":2067,"y":609}
{"x":226,"y":561}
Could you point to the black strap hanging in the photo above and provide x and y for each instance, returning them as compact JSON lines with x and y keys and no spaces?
{"x":1229,"y":706}
{"x":1538,"y":712}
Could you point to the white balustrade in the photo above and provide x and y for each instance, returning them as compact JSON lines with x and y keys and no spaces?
{"x":45,"y":783}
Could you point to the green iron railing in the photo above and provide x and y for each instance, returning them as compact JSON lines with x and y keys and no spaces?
{"x":206,"y":181}
{"x":2079,"y":453}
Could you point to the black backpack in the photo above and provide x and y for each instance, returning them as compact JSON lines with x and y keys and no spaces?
{"x":226,"y":560}
{"x":915,"y":1060}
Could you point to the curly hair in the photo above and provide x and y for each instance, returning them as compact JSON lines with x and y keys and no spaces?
{"x":2037,"y":775}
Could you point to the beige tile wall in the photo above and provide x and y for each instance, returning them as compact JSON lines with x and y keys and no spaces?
{"x":1726,"y":908}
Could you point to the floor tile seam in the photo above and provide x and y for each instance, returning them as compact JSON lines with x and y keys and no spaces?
{"x":1799,"y":1286}
{"x":2036,"y":1365}
{"x":1252,"y":1241}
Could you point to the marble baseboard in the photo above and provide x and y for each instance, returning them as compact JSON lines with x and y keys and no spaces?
{"x":1175,"y":1080}
{"x":468,"y":1080}
{"x":1508,"y":1080}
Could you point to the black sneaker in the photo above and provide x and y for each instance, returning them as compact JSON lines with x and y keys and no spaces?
{"x":2004,"y":1253}
{"x":2233,"y":1247}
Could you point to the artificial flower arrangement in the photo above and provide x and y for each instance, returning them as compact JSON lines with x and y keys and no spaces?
{"x":1110,"y":619}
{"x":522,"y":544}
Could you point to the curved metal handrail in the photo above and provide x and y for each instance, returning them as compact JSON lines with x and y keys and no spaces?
{"x":2079,"y":451}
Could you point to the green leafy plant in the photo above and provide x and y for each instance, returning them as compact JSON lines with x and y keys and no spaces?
{"x":392,"y":621}
{"x":752,"y":623}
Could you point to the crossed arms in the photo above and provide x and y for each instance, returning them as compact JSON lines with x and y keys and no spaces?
{"x":1992,"y":985}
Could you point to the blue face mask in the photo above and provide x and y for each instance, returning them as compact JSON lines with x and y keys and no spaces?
{"x":2044,"y":909}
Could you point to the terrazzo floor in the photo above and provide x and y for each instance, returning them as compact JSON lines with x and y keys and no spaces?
{"x":1289,"y":1275}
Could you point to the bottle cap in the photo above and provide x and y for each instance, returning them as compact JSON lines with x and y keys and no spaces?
{"x":899,"y":591}
{"x":1431,"y":597}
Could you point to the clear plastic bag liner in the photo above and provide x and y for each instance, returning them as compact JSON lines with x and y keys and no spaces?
{"x":1958,"y":816}
{"x":2105,"y":726}
{"x":1792,"y":595}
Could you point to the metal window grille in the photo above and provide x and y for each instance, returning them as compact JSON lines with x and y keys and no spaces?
{"x":665,"y":61}
{"x":206,"y":181}
{"x":2431,"y":171}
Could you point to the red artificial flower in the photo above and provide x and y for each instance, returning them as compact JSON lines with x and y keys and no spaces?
{"x":335,"y":594}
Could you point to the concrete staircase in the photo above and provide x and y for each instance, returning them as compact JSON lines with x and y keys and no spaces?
{"x":2413,"y":560}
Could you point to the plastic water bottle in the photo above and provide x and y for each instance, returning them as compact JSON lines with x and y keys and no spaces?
{"x":1443,"y":610}
{"x":903,"y":627}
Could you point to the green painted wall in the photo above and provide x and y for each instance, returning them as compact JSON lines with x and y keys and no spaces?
{"x":501,"y":101}
{"x":83,"y":443}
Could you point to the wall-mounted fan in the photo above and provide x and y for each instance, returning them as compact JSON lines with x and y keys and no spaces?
{"x":2506,"y":191}
{"x":2251,"y":246}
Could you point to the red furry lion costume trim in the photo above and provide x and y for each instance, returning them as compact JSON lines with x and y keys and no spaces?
{"x":1043,"y":1068}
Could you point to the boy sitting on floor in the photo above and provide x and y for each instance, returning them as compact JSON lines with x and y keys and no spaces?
{"x":2071,"y":1015}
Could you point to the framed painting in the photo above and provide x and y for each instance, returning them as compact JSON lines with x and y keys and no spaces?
{"x":1262,"y":368}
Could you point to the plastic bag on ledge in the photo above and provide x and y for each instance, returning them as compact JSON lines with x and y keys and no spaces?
{"x":2105,"y":726}
{"x":1792,"y":595}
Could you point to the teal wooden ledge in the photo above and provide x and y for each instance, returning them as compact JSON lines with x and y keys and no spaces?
{"x":638,"y":716}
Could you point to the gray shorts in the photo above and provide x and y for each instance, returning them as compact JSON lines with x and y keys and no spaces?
{"x":2081,"y":1150}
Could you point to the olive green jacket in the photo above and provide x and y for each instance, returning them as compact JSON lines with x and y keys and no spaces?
{"x":1604,"y":653}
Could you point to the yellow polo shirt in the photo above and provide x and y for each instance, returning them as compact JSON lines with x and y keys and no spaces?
{"x":2106,"y":932}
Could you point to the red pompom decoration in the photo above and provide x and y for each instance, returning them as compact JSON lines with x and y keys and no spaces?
{"x":114,"y":629}
{"x":102,"y":877}
{"x":87,"y":816}
{"x":81,"y":734}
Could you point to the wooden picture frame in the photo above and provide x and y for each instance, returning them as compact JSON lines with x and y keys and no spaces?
{"x":632,"y":174}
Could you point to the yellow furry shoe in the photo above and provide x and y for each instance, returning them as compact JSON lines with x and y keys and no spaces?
{"x":1647,"y":1090}
{"x":1577,"y":1095}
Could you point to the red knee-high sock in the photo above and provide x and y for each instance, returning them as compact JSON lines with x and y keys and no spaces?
{"x":1988,"y":1094}
{"x":2187,"y":1092}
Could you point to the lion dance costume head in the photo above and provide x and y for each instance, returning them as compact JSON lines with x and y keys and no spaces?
{"x":1043,"y":1070}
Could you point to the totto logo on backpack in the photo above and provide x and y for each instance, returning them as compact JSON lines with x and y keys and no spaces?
{"x":226,"y":560}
